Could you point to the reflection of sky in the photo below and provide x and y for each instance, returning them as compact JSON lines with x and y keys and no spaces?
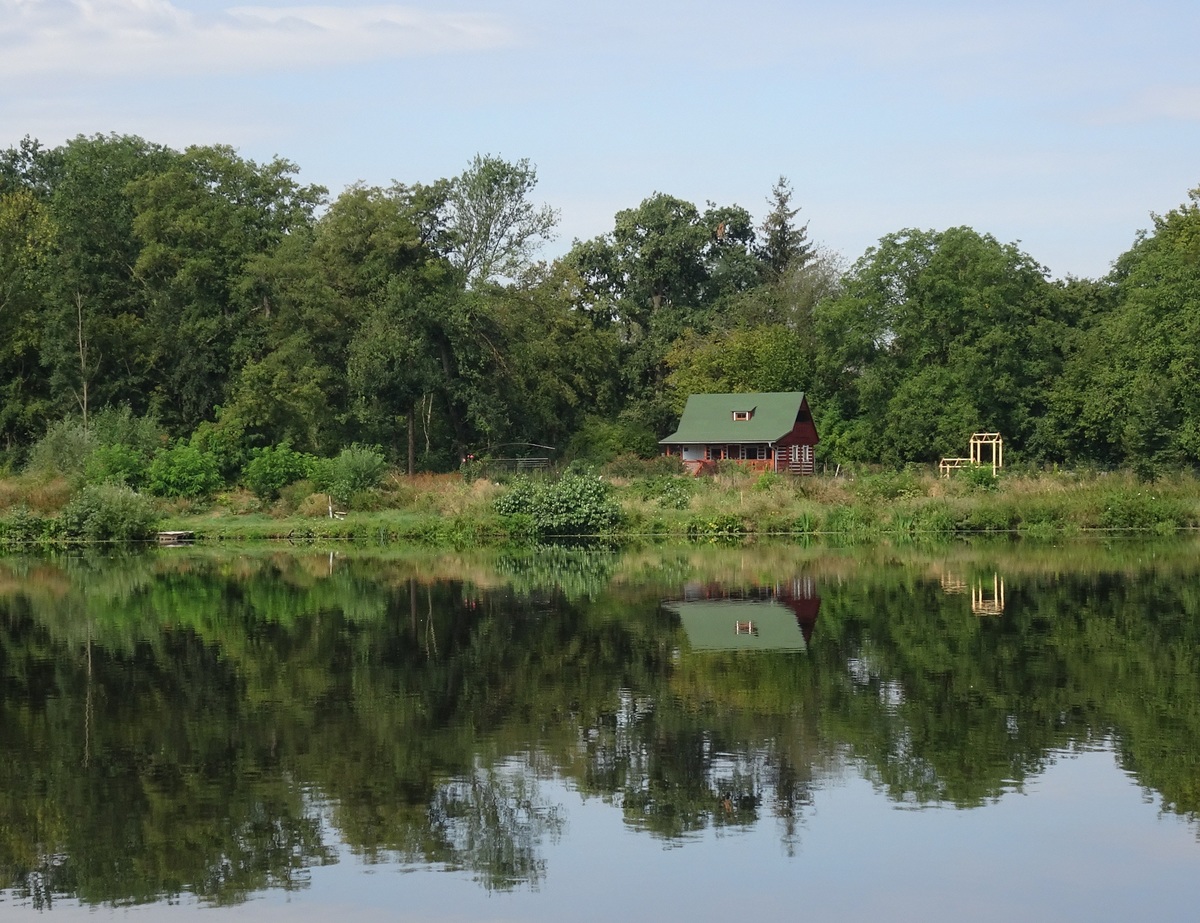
{"x":1080,"y":843}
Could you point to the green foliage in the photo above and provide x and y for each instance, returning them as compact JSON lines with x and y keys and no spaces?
{"x":115,"y":447}
{"x":576,"y":504}
{"x":715,"y":525}
{"x":355,"y":469}
{"x":109,"y":513}
{"x":116,"y":464}
{"x":273,"y":468}
{"x":1142,"y":511}
{"x":980,"y":477}
{"x":225,"y":442}
{"x":184,"y":471}
{"x":669,"y":492}
{"x":21,"y":526}
{"x":888,"y":486}
{"x":602,"y":441}
{"x":493,"y":226}
{"x":64,"y":449}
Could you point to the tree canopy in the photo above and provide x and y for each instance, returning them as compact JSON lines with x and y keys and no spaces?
{"x":240,"y":307}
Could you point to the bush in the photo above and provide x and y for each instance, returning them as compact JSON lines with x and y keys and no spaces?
{"x":768,"y":480}
{"x":576,"y":504}
{"x":184,"y":471}
{"x":981,"y":477}
{"x":601,"y":441}
{"x":109,"y":512}
{"x":225,"y":442}
{"x":715,"y":525}
{"x":115,"y":426}
{"x":671,"y":493}
{"x":634,"y":466}
{"x":1142,"y":511}
{"x":63,"y":450}
{"x":888,"y":486}
{"x":116,"y":464}
{"x":356,"y":468}
{"x":22,"y":526}
{"x":115,"y":448}
{"x":274,"y":468}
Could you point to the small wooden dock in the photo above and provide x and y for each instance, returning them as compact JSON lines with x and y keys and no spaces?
{"x":175,"y":539}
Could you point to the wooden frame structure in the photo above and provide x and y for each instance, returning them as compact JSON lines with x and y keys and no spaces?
{"x":994,"y":441}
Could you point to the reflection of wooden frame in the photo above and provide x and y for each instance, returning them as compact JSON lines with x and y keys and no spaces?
{"x":982,"y":603}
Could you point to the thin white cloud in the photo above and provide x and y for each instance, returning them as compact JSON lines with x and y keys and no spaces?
{"x":156,"y":37}
{"x":1180,"y":103}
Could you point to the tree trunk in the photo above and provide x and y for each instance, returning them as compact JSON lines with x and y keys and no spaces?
{"x":412,"y":442}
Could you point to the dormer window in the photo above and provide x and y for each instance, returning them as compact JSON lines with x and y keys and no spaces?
{"x":742,"y":415}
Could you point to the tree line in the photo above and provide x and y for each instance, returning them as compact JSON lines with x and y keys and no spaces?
{"x":237,"y":308}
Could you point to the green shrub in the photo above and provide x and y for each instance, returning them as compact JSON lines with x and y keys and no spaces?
{"x":22,"y":526}
{"x":601,"y":441}
{"x":184,"y":471}
{"x":1142,"y":511}
{"x":887,"y":486}
{"x":355,"y":469}
{"x":577,"y":503}
{"x":989,"y":518}
{"x":518,"y":499}
{"x":671,"y":493}
{"x":124,"y":442}
{"x":934,"y":517}
{"x":635,"y":466}
{"x":715,"y":524}
{"x":273,"y":468}
{"x":847,"y":520}
{"x":109,"y":512}
{"x":225,"y":442}
{"x":117,"y":464}
{"x":980,"y":477}
{"x":114,"y":426}
{"x":63,"y":450}
{"x":767,"y":480}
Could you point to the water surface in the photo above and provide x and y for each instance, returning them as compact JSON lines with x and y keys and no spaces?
{"x":969,"y":731}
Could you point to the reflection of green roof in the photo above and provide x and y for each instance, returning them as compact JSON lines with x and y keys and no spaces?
{"x":711,"y":625}
{"x":708,"y":418}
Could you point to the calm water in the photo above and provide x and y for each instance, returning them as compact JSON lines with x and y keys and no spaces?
{"x":984,"y":732}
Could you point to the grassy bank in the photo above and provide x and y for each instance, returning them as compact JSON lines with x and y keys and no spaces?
{"x":453,"y":511}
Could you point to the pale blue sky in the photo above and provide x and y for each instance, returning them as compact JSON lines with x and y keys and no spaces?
{"x":1059,"y":125}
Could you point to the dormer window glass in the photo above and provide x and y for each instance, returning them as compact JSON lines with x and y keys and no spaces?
{"x":742,"y":415}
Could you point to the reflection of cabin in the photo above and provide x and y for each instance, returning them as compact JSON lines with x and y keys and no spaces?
{"x":765,"y":431}
{"x":779,"y":617}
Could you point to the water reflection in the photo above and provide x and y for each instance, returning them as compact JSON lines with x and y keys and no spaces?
{"x":778,"y":617}
{"x":214,"y":724}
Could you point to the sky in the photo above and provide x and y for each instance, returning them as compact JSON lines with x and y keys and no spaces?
{"x":1060,"y":126}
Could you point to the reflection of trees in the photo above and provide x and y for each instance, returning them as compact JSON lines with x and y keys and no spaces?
{"x":492,"y":822}
{"x":205,"y":724}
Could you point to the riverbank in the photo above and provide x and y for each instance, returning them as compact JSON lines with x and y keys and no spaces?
{"x":453,"y":511}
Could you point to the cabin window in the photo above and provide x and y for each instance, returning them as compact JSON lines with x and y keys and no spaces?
{"x":741,"y":415}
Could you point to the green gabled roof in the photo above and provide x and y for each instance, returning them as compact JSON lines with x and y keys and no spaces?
{"x":708,"y":418}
